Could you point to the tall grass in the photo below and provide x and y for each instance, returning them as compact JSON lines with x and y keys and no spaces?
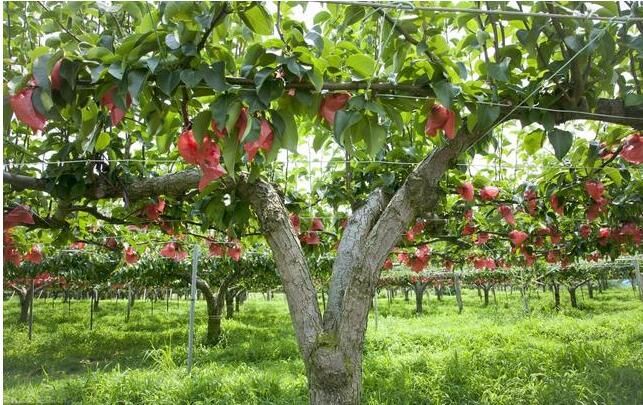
{"x":489,"y":355}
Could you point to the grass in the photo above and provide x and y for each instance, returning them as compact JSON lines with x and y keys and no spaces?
{"x":486,"y":355}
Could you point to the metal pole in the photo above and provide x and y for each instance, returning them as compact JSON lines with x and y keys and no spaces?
{"x":91,"y":310}
{"x":195,"y":262}
{"x":637,"y":270}
{"x":129,"y":301}
{"x":31,"y":309}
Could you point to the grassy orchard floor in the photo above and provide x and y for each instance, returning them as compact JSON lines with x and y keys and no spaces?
{"x":493,"y":355}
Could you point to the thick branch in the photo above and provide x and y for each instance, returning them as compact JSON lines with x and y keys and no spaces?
{"x":418,"y":195}
{"x":349,"y":255}
{"x":290,"y":260}
{"x":177,"y":184}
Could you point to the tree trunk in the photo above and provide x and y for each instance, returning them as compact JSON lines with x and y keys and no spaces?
{"x":237,"y":300}
{"x":439,"y":291}
{"x":419,"y":295}
{"x":572,"y":296}
{"x":214,"y":305}
{"x":26,"y":296}
{"x":335,"y":378}
{"x":229,"y":304}
{"x":556,"y":288}
{"x":458,"y":292}
{"x":590,"y":289}
{"x":406,"y":294}
{"x":485,"y":290}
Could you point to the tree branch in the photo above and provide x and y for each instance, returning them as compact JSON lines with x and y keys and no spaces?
{"x":290,"y":260}
{"x":349,"y":253}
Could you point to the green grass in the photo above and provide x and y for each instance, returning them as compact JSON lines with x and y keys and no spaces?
{"x":488,"y":355}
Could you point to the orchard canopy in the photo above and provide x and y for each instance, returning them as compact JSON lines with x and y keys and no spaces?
{"x":377,"y":134}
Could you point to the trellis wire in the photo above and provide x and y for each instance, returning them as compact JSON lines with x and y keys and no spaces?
{"x":322,"y":161}
{"x":410,"y":6}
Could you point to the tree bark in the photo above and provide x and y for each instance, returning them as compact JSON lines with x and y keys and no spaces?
{"x":590,"y":289}
{"x":26,"y":296}
{"x":458,"y":292}
{"x":229,"y":303}
{"x":556,"y":288}
{"x":237,"y":300}
{"x":485,"y":290}
{"x":419,"y":295}
{"x":572,"y":296}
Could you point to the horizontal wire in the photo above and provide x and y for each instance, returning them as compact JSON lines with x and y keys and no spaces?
{"x":333,"y":161}
{"x":524,"y":107}
{"x":410,"y":6}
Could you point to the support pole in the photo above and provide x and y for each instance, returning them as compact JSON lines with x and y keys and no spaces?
{"x":129,"y":301}
{"x":637,"y":271}
{"x":195,"y":262}
{"x":31,"y":309}
{"x":91,"y":310}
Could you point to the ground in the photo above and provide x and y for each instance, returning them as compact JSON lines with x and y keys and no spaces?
{"x":488,"y":355}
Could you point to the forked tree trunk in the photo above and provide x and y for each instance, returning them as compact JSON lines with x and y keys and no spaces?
{"x":331,"y":345}
{"x":419,"y":288}
{"x":214,"y":305}
{"x":485,"y":290}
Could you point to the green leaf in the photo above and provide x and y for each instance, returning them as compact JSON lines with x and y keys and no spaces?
{"x":200,"y":124}
{"x":230,"y":153}
{"x":353,"y":14}
{"x":135,"y":80}
{"x":102,"y":142}
{"x":261,"y":76}
{"x":168,"y":80}
{"x":89,"y":116}
{"x":561,"y":141}
{"x":172,"y":41}
{"x":633,"y":99}
{"x":41,"y":71}
{"x":289,"y":136}
{"x":361,"y":64}
{"x":316,"y":78}
{"x":487,"y":115}
{"x":190,"y":77}
{"x":533,"y":141}
{"x":163,"y":142}
{"x":375,"y":138}
{"x":444,"y":92}
{"x":499,"y":71}
{"x":69,"y":72}
{"x":315,"y":40}
{"x":343,"y":121}
{"x":257,"y":19}
{"x":614,"y":174}
{"x":214,"y":76}
{"x":116,"y":70}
